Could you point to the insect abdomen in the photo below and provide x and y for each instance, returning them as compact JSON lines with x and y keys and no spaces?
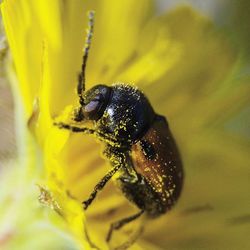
{"x":156,"y":157}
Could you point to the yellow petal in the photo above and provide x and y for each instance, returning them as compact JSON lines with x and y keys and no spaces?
{"x":114,"y":41}
{"x":18,"y":21}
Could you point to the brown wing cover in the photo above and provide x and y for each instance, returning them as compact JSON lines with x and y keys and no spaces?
{"x":164,"y":171}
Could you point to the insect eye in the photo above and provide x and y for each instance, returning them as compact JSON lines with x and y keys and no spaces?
{"x":91,"y":108}
{"x":95,"y":102}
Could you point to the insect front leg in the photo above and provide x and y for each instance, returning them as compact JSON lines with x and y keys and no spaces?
{"x":118,"y":162}
{"x":75,"y":129}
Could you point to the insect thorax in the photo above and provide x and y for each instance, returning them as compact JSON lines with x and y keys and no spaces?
{"x":128,"y":114}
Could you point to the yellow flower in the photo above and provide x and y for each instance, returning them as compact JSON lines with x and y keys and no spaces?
{"x":186,"y":68}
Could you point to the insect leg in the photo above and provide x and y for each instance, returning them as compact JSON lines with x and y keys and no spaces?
{"x":119,"y":224}
{"x":132,"y":239}
{"x":74,"y":129}
{"x":107,"y":138}
{"x":104,"y":180}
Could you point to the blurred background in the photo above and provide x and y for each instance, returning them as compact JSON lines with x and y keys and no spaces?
{"x":7,"y":132}
{"x":232,"y":18}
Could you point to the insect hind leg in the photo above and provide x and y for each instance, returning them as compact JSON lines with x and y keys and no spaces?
{"x":132,"y":239}
{"x":119,"y":224}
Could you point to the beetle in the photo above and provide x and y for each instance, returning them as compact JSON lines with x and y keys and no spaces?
{"x":138,"y":144}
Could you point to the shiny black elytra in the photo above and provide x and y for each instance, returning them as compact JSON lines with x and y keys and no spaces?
{"x":139,"y":144}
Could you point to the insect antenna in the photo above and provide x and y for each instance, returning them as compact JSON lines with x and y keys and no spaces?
{"x":81,"y":76}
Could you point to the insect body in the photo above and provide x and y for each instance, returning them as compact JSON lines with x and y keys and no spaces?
{"x":138,"y":144}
